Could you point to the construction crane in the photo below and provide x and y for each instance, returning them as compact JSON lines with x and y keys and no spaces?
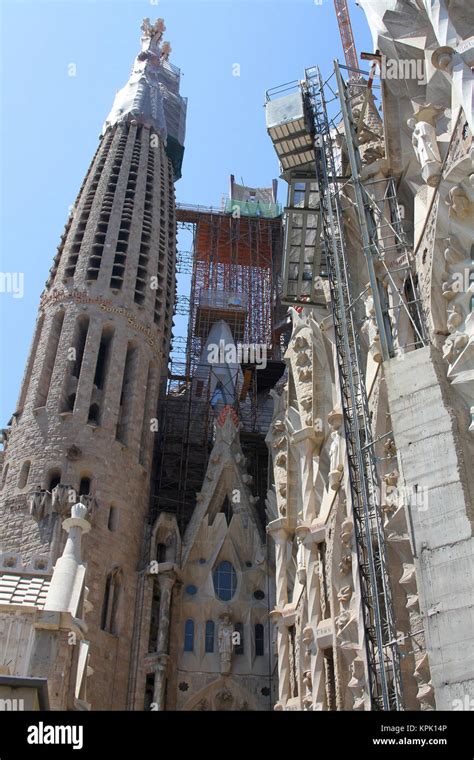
{"x":345,"y":30}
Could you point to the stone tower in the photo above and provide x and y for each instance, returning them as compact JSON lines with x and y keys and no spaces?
{"x":84,"y":422}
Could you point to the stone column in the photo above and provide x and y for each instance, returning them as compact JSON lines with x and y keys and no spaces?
{"x":277,"y":530}
{"x":166,"y":582}
{"x":66,"y":583}
{"x":305,"y":440}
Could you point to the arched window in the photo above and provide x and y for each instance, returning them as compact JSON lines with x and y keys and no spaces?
{"x":161,"y":552}
{"x":54,"y":479}
{"x":239,"y":646}
{"x":225,"y":581}
{"x":113,"y":518}
{"x":189,"y":636}
{"x":93,"y":418}
{"x":24,"y":474}
{"x":259,"y":640}
{"x":209,"y":636}
{"x":111,"y":601}
{"x":84,"y":486}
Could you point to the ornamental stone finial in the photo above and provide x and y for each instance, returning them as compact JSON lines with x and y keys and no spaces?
{"x":151,"y":30}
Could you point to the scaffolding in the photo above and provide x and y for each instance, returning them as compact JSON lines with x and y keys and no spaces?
{"x":317,"y":236}
{"x":235,"y":276}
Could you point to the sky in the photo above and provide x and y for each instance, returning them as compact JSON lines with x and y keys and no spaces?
{"x":62,"y":62}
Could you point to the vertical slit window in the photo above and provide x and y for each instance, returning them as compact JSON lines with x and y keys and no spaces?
{"x":112,"y":519}
{"x":74,"y":364}
{"x":126,"y":396}
{"x":50,"y":359}
{"x":103,"y":357}
{"x":24,"y":474}
{"x":110,"y":606}
{"x":209,"y":646}
{"x":189,"y":636}
{"x":148,"y":414}
{"x":259,"y":640}
{"x":4,"y":474}
{"x":31,"y":361}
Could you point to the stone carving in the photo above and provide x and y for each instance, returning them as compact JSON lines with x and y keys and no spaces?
{"x":224,"y":699}
{"x":347,"y":529}
{"x":370,"y":327}
{"x":453,"y":252}
{"x":336,"y":468}
{"x":345,"y":563}
{"x":150,"y":30}
{"x":300,"y":557}
{"x":357,"y":684}
{"x":455,"y":317}
{"x":344,"y":596}
{"x":390,"y":448}
{"x":74,"y":453}
{"x":425,"y":694}
{"x":224,"y":642}
{"x":460,"y":207}
{"x":390,"y":495}
{"x":426,"y":150}
{"x":39,"y":503}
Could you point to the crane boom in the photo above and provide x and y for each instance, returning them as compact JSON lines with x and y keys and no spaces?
{"x":345,"y":30}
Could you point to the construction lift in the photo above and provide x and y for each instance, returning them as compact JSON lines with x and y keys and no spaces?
{"x":303,"y":136}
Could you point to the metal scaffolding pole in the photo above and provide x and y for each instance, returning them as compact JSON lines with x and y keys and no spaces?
{"x":380,"y":636}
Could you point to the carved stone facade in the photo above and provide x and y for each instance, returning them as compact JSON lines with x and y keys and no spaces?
{"x":210,"y":644}
{"x":420,"y":401}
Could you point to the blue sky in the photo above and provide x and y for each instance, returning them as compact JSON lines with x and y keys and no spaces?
{"x":51,"y":120}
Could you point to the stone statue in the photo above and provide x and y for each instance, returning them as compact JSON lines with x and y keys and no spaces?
{"x":459,"y":204}
{"x":165,"y":51}
{"x":149,"y":30}
{"x":370,"y":327}
{"x":426,"y":150}
{"x":224,"y":642}
{"x":39,"y":503}
{"x":335,"y":468}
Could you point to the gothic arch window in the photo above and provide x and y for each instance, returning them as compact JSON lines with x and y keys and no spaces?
{"x":49,"y":359}
{"x":209,"y":645}
{"x":259,"y":640}
{"x":225,"y":581}
{"x":113,"y":588}
{"x":94,"y":412}
{"x":189,"y":636}
{"x":53,"y":480}
{"x":125,"y":417}
{"x":161,"y":552}
{"x":84,"y":486}
{"x":24,"y":474}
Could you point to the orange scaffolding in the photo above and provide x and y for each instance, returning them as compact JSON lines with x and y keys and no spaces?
{"x":235,"y":268}
{"x":239,"y":256}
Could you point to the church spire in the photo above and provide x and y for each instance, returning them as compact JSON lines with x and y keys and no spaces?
{"x":152,"y":83}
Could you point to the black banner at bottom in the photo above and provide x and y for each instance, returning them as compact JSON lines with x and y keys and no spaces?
{"x":83,"y":734}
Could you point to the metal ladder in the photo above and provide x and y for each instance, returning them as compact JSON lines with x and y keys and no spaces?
{"x":383,"y":659}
